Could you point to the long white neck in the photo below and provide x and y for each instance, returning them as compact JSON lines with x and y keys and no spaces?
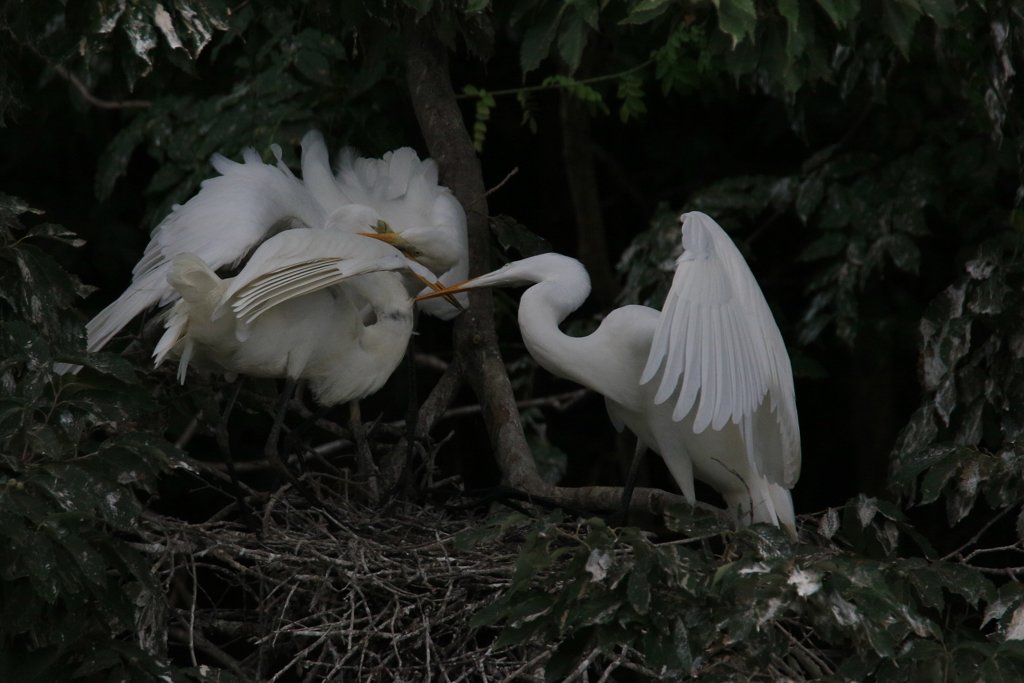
{"x":542,"y":309}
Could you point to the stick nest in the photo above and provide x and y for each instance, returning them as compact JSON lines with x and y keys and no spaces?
{"x":342,"y":593}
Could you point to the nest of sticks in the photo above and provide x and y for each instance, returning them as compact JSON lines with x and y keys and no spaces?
{"x":337,"y":593}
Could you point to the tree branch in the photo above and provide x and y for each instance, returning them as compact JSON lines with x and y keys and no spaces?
{"x":96,"y":101}
{"x":578,"y":159}
{"x":476,"y":344}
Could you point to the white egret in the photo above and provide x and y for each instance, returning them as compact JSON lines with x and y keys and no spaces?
{"x":309,"y":304}
{"x":250,"y":202}
{"x":423,"y":218}
{"x":706,"y":382}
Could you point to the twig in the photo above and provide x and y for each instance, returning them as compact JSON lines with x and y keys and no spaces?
{"x":583,"y":666}
{"x":96,"y":101}
{"x":612,"y":666}
{"x":977,"y":537}
{"x":559,"y":402}
{"x":212,"y":651}
{"x":427,"y":360}
{"x":515,"y":169}
{"x":560,"y":86}
{"x":529,"y":664}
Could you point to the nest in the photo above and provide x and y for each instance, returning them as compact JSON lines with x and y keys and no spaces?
{"x":338,"y":593}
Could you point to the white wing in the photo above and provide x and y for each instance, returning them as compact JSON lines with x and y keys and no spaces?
{"x":316,"y":172}
{"x":302,"y":261}
{"x":718,"y":348}
{"x":406,"y":193}
{"x":231,"y":214}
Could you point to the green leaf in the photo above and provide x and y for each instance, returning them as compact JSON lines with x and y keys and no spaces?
{"x":840,"y":11}
{"x":589,"y":11}
{"x":809,"y":197}
{"x":421,"y":7}
{"x":571,"y":41}
{"x":898,"y":22}
{"x":828,"y":245}
{"x":796,"y":36}
{"x":936,"y":478}
{"x":941,"y":11}
{"x":737,"y":18}
{"x":537,"y":40}
{"x":140,"y":33}
{"x":113,"y":162}
{"x":106,"y":363}
{"x":512,"y":234}
{"x":638,"y":586}
{"x":489,"y":614}
{"x":646,"y":11}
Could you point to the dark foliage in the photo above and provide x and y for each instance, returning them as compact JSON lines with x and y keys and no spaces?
{"x":865,"y":154}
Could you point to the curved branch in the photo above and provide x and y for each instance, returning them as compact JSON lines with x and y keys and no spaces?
{"x":476,"y":343}
{"x":98,"y":102}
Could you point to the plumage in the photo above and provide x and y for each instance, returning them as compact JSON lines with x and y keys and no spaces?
{"x":429,"y":223}
{"x":252,"y":201}
{"x":706,"y":382}
{"x":240,"y":325}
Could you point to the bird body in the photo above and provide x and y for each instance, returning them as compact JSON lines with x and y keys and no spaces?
{"x":345,"y":325}
{"x":722,"y":409}
{"x":252,"y":201}
{"x":430,"y":224}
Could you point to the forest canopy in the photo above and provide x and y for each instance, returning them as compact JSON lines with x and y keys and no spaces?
{"x":867,"y":158}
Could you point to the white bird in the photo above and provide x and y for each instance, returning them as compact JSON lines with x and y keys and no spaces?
{"x":706,"y":382}
{"x":250,"y":202}
{"x":309,"y":304}
{"x":425,"y":220}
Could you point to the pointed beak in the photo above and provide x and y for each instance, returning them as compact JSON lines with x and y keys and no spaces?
{"x":392,"y":238}
{"x":437,"y":290}
{"x":452,"y":290}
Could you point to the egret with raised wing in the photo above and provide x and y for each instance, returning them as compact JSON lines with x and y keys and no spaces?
{"x":706,"y":382}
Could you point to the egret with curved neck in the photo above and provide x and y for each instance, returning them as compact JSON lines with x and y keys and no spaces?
{"x":706,"y":382}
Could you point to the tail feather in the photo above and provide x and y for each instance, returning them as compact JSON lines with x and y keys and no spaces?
{"x":193,"y":279}
{"x":140,"y":295}
{"x":200,"y":289}
{"x":763,"y":503}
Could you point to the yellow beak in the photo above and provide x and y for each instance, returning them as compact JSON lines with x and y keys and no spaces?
{"x":438,"y":290}
{"x":447,"y":292}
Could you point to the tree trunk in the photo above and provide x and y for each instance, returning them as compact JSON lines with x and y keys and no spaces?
{"x":578,"y":158}
{"x":476,"y":343}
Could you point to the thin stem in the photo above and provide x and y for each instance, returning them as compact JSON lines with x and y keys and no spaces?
{"x":559,"y":86}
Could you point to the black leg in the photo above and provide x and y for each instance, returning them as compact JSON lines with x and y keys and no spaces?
{"x":412,"y":414}
{"x":271,"y":450}
{"x":224,"y":444}
{"x":364,"y":456}
{"x":634,"y":467}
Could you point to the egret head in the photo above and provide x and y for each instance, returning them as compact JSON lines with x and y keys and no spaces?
{"x":551,"y":268}
{"x":427,"y":246}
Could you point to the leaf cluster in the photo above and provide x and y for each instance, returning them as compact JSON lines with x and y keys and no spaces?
{"x":963,"y":443}
{"x":719,"y":604}
{"x":77,"y":602}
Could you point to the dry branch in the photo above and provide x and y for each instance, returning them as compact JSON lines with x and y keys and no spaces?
{"x":476,"y":344}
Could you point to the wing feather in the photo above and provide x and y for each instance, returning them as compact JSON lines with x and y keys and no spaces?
{"x":231,"y":214}
{"x":719,"y":352}
{"x":303,"y":261}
